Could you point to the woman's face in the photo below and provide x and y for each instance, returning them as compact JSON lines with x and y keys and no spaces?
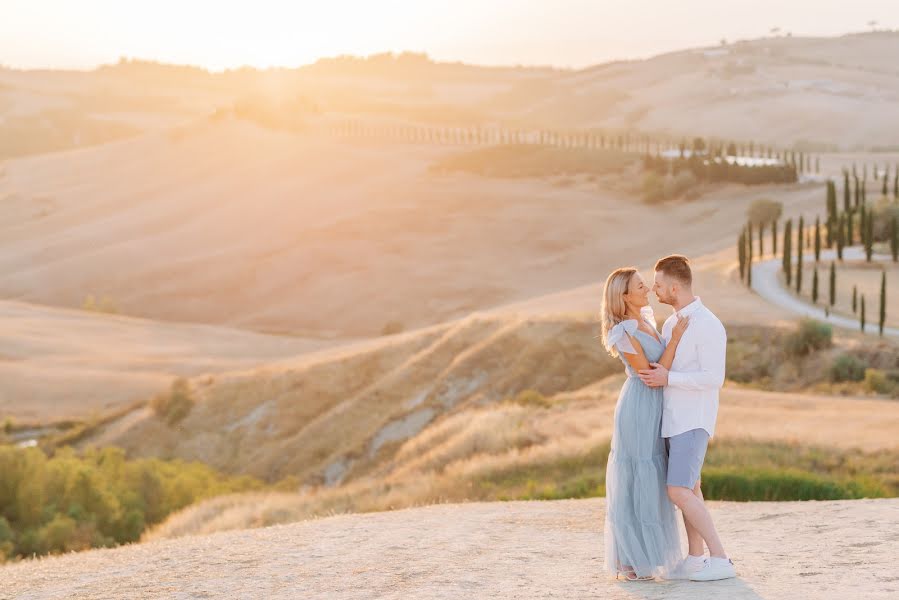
{"x":637,"y":294}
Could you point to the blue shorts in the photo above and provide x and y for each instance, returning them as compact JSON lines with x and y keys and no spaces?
{"x":686,"y":453}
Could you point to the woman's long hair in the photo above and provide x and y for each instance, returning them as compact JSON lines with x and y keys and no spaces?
{"x":613,"y":307}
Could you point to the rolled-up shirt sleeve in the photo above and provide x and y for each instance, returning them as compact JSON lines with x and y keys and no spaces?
{"x":711,"y":351}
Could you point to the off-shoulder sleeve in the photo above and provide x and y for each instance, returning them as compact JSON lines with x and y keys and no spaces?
{"x":618,"y":338}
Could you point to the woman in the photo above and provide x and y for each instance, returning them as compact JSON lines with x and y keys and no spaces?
{"x":642,"y":538}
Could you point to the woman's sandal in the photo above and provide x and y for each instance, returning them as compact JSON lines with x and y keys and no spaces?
{"x":631,"y":575}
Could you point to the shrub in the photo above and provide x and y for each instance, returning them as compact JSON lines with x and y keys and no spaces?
{"x":73,"y":502}
{"x":678,"y":184}
{"x":879,"y":382}
{"x":653,"y":188}
{"x":773,"y":485}
{"x":847,"y":368}
{"x":174,"y":405}
{"x":105,"y":305}
{"x":763,"y":211}
{"x":811,"y":335}
{"x":532,"y":398}
{"x":883,"y":213}
{"x":392,"y":327}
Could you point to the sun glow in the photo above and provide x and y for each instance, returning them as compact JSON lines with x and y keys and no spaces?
{"x":218,"y":35}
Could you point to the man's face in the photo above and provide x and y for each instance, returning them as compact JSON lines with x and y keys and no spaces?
{"x":664,"y":288}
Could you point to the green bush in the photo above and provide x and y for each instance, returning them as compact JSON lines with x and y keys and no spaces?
{"x":71,"y":502}
{"x":772,"y":485}
{"x":883,"y":213}
{"x":846,"y":367}
{"x":882,"y":382}
{"x":174,"y":405}
{"x":763,"y":211}
{"x":742,"y":470}
{"x":811,"y":335}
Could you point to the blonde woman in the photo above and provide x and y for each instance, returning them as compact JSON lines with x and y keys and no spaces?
{"x":642,"y":538}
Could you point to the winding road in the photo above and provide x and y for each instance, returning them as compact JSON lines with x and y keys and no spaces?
{"x":766,"y":284}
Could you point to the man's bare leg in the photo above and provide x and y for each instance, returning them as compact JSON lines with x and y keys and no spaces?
{"x":694,"y":539}
{"x":698,"y":516}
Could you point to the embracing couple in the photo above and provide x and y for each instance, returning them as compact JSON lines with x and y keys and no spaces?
{"x":663,"y":421}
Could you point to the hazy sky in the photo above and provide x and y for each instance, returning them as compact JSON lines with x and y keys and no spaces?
{"x":220,"y":34}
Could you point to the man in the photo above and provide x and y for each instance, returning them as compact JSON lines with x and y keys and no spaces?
{"x":690,"y":407}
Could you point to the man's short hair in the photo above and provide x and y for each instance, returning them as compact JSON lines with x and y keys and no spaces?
{"x":676,"y":266}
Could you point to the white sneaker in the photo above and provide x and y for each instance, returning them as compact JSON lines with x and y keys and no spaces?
{"x":715,"y":569}
{"x":685,"y":567}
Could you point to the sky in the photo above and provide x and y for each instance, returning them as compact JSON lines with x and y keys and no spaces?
{"x":219,"y":34}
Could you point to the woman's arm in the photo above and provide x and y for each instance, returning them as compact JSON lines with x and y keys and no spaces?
{"x":637,"y":360}
{"x":677,"y":333}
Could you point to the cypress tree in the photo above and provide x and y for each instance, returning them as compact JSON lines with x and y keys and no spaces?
{"x":846,"y":206}
{"x":801,"y":231}
{"x":741,"y":253}
{"x":885,"y":189}
{"x":815,"y":286}
{"x":749,"y":245}
{"x":854,"y":299}
{"x":833,"y":284}
{"x":831,"y":199}
{"x":841,"y":235}
{"x":883,"y":301}
{"x":850,"y":230}
{"x":761,"y":240}
{"x":799,"y":258}
{"x":749,"y":272}
{"x":869,"y":236}
{"x":896,"y":183}
{"x":788,"y":251}
{"x":862,"y":313}
{"x":894,"y":238}
{"x":817,"y":239}
{"x":863,"y":228}
{"x":774,"y":237}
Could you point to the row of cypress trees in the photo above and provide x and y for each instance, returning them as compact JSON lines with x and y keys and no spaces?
{"x":592,"y":139}
{"x":855,"y":222}
{"x":811,"y":239}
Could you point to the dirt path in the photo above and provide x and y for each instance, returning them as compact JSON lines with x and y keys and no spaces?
{"x":841,"y":550}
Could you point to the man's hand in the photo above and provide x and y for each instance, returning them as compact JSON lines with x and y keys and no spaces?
{"x":655,"y":377}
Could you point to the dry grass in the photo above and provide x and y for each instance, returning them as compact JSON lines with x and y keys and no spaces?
{"x":484,"y":453}
{"x":282,"y":420}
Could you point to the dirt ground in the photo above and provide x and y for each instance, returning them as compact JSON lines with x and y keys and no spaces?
{"x":824,"y":550}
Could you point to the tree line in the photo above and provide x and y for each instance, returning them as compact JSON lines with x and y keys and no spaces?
{"x":623,"y":141}
{"x":66,"y":502}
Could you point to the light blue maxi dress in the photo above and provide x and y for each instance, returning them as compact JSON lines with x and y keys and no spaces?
{"x":641,"y":528}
